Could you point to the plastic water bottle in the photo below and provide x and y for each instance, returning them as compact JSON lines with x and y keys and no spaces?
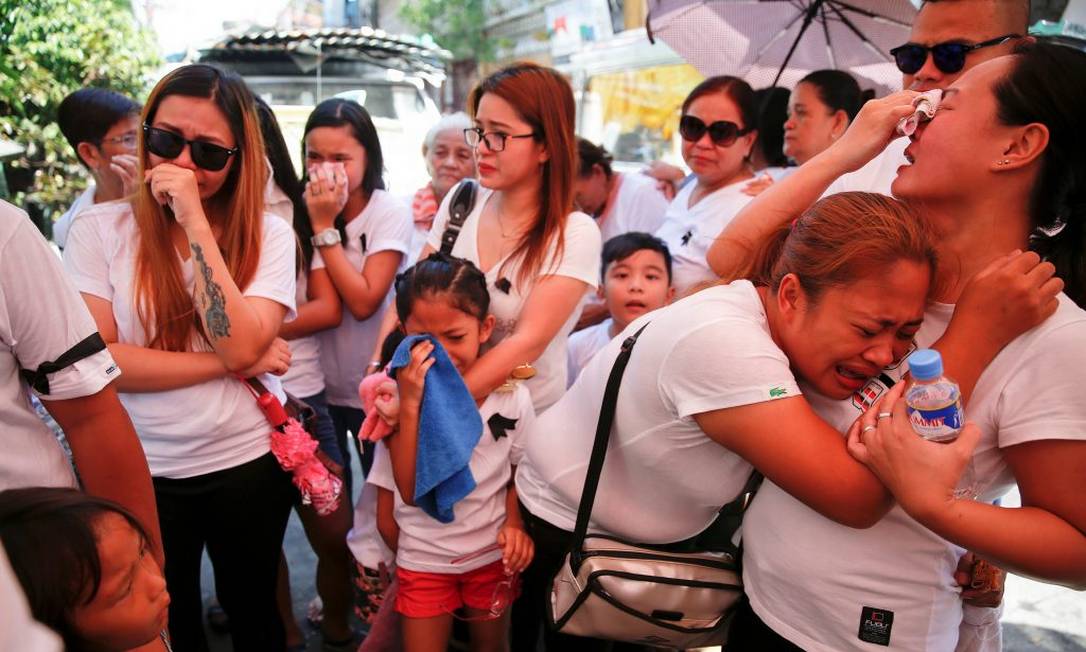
{"x":934,"y":405}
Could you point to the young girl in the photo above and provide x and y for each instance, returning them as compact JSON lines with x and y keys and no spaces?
{"x":188,"y":283}
{"x":539,"y":256}
{"x":86,"y":568}
{"x":362,"y":235}
{"x":442,"y":568}
{"x":318,"y":310}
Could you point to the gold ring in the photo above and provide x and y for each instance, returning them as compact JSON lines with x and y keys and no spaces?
{"x":886,"y":415}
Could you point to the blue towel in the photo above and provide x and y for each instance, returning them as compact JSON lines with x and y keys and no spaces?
{"x":449,"y":428}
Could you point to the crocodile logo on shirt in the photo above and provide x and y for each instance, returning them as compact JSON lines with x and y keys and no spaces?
{"x":778,"y":392}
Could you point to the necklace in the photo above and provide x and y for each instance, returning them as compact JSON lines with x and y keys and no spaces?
{"x":501,"y":225}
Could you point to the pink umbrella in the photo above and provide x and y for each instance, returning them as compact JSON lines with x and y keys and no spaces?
{"x":777,"y":42}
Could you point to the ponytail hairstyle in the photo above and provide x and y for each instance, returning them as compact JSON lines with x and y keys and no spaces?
{"x":544,"y":99}
{"x":442,"y":274}
{"x":163,"y":303}
{"x":841,"y":239}
{"x":589,"y":155}
{"x":284,"y":176}
{"x":50,"y":536}
{"x":772,"y":105}
{"x":838,"y":90}
{"x":1047,"y":85}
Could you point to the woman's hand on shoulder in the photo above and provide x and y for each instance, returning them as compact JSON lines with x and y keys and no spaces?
{"x":176,"y":187}
{"x":325,"y":194}
{"x":1013,"y":294}
{"x":872,"y":130}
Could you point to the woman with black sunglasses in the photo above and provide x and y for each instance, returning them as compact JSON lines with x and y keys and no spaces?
{"x":718,"y":132}
{"x":189,"y":282}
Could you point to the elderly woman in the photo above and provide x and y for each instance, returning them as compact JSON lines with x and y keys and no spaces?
{"x":448,"y":160}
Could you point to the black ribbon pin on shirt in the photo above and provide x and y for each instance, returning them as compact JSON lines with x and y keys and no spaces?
{"x":686,"y":237}
{"x":504,"y":285}
{"x":499,"y":425}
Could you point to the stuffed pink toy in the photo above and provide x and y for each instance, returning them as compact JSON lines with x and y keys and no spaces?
{"x":381,"y":403}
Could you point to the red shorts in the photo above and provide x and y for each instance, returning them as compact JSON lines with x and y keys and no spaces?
{"x":424,"y":595}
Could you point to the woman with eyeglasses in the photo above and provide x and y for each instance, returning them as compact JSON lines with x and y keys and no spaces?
{"x":998,"y":168}
{"x":189,"y":282}
{"x":718,"y":129}
{"x":539,"y":256}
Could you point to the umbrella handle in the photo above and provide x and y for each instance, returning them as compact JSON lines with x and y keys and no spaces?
{"x":648,"y":27}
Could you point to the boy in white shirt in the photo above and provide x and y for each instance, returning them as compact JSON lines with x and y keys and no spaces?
{"x":102,"y":127}
{"x":636,"y":272}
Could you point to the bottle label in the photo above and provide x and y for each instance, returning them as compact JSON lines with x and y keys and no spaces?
{"x":937,"y":424}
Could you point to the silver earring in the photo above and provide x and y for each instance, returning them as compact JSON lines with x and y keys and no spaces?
{"x":1004,"y":162}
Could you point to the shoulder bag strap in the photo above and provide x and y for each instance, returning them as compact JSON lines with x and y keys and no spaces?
{"x":718,"y":536}
{"x":462,"y":202}
{"x":599,"y":446}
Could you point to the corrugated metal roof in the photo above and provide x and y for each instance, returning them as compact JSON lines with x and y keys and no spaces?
{"x":401,"y":52}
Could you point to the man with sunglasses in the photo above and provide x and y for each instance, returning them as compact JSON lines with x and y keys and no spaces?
{"x":948,"y":37}
{"x":100,"y":125}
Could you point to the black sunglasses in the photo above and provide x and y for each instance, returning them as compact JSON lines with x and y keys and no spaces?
{"x":167,"y":144}
{"x":948,"y":57}
{"x":722,"y":132}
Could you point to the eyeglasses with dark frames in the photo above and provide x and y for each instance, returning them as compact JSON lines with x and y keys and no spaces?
{"x":948,"y":57}
{"x":495,"y":140}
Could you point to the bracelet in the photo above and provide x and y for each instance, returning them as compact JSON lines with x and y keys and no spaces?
{"x":374,"y":363}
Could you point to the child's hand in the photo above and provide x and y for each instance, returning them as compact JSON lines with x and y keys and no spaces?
{"x":517,"y":548}
{"x":387,"y":402}
{"x":412,"y":378}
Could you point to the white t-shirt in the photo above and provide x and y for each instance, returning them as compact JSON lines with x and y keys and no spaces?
{"x":638,"y":206}
{"x":809,"y":578}
{"x":877,"y":175}
{"x":364,"y":540}
{"x":276,"y":201}
{"x":426,"y":544}
{"x":580,"y":260}
{"x":383,"y":225}
{"x":690,"y":231}
{"x":585,"y":343}
{"x":62,"y":225}
{"x":202,"y":428}
{"x":41,"y":317}
{"x":305,"y":378}
{"x":664,"y":479}
{"x":18,"y":629}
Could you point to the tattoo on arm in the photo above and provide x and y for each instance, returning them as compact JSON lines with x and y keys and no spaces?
{"x":213,"y":300}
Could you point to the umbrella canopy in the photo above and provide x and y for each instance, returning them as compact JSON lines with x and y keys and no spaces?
{"x":777,"y":42}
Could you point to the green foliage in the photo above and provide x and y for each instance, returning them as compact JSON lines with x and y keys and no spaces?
{"x":49,"y":48}
{"x":456,"y":25}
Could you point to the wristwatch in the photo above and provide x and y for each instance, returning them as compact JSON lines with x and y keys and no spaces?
{"x":326,"y":238}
